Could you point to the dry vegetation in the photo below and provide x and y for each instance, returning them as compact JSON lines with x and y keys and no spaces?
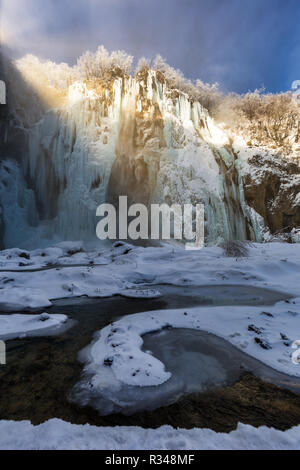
{"x":235,"y":248}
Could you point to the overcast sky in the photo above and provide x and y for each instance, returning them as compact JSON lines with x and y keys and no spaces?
{"x":242,"y":44}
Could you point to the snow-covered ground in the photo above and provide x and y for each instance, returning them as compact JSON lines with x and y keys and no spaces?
{"x":56,"y":434}
{"x":22,"y":326}
{"x":34,"y":279}
{"x":13,"y":299}
{"x":123,"y":269}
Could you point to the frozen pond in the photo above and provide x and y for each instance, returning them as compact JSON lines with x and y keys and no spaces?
{"x":221,"y":295}
{"x":198,"y":361}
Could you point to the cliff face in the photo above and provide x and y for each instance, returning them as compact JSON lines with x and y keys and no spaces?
{"x":272,"y":188}
{"x":135,"y":136}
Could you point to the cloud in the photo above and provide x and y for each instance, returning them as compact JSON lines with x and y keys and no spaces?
{"x":242,"y":45}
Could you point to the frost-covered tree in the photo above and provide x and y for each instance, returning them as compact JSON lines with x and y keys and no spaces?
{"x":56,"y":75}
{"x":142,"y":65}
{"x":174,"y":77}
{"x":208,"y":95}
{"x":263,"y":119}
{"x":101,"y":63}
{"x":102,"y":59}
{"x":121,"y":60}
{"x":87,"y":66}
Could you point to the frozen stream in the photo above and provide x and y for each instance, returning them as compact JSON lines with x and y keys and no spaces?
{"x":200,"y":361}
{"x":40,"y":372}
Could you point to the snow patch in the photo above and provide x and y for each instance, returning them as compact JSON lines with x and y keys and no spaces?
{"x":16,"y":298}
{"x":22,"y":326}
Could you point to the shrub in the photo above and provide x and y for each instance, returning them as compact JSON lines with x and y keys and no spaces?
{"x":235,"y":249}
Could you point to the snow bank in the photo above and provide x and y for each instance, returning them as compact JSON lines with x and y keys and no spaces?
{"x":15,"y":298}
{"x":132,"y":271}
{"x":56,"y":434}
{"x":22,"y":326}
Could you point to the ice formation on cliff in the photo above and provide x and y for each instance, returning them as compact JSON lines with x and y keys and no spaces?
{"x":133,"y":136}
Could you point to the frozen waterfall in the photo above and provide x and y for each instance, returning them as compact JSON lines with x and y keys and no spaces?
{"x":135,"y":137}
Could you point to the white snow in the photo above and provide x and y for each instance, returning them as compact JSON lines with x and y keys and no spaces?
{"x":22,"y":325}
{"x":132,"y":271}
{"x":78,"y":92}
{"x":141,"y":293}
{"x":16,"y":298}
{"x":60,"y":435}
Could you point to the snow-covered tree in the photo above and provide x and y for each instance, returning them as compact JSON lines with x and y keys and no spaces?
{"x":99,"y":64}
{"x":142,"y":65}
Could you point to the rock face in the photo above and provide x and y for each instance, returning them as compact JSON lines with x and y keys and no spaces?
{"x":133,"y":136}
{"x":272,"y":188}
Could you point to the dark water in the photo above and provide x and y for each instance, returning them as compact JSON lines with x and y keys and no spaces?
{"x":201,"y":361}
{"x":40,"y":372}
{"x":220,"y":295}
